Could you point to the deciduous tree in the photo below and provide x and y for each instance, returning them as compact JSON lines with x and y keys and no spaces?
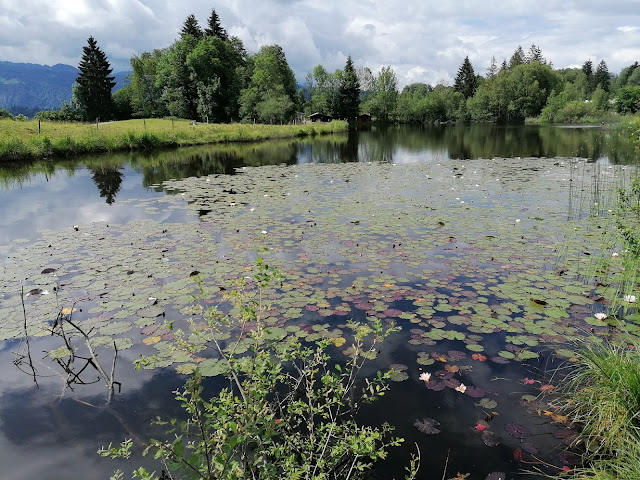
{"x":385,"y":94}
{"x":146,"y":93}
{"x":271,"y":92}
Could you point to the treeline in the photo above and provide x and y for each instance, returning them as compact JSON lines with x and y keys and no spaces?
{"x":207,"y":75}
{"x":526,"y":86}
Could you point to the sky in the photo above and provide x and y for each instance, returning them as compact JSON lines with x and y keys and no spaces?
{"x":422,"y":40}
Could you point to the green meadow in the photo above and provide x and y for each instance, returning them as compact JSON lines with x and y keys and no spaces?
{"x":20,"y":140}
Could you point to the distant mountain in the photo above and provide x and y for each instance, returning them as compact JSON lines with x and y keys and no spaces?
{"x":28,"y":88}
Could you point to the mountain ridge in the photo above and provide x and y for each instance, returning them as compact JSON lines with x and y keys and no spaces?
{"x":27,"y":88}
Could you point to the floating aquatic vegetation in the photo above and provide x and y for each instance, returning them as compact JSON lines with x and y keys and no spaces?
{"x":472,"y":289}
{"x":427,"y":426}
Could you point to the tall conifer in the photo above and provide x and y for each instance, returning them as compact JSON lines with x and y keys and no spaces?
{"x":191,"y":27}
{"x":95,"y":82}
{"x":602,"y":77}
{"x":466,"y":81}
{"x":214,"y":28}
{"x":349,"y":92}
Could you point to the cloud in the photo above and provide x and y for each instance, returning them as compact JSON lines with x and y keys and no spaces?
{"x":422,"y":41}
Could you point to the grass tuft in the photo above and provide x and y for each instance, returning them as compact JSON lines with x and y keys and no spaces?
{"x":603,"y":393}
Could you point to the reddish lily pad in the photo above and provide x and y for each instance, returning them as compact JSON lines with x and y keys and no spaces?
{"x":517,"y":430}
{"x":489,"y":439}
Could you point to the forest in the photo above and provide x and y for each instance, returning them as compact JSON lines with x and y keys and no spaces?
{"x":207,"y":75}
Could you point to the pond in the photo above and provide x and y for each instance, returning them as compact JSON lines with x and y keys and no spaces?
{"x":473,"y":239}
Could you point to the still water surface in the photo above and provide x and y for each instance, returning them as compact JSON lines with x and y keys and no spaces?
{"x":49,"y":431}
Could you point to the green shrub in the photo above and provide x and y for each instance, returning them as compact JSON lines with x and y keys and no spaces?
{"x":288,"y":411}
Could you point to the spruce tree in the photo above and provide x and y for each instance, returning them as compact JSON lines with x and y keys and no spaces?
{"x":602,"y":77}
{"x":535,"y":55}
{"x":214,"y":28}
{"x":95,"y":82}
{"x":349,"y":93}
{"x":518,"y":58}
{"x":492,"y":71}
{"x":191,"y":27}
{"x":466,"y":80}
{"x":587,"y":69}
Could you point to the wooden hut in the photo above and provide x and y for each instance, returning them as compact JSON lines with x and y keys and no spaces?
{"x":320,"y":117}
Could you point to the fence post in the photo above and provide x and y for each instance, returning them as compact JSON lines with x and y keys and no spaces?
{"x":38,"y":126}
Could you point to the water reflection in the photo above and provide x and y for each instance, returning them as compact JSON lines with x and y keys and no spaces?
{"x":108,"y":180}
{"x":51,"y":184}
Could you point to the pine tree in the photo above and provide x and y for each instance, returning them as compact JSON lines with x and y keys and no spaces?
{"x":214,"y":28}
{"x":191,"y":27}
{"x":518,"y":58}
{"x":95,"y":82}
{"x":504,"y":66}
{"x":535,"y":55}
{"x":349,"y":93}
{"x":492,"y":71}
{"x":466,"y":80}
{"x":587,"y":69}
{"x":602,"y":77}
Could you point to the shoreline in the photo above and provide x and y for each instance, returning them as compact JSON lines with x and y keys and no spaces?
{"x":41,"y":140}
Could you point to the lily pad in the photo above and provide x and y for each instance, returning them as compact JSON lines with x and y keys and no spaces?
{"x":427,"y":426}
{"x":517,"y":430}
{"x":487,"y":403}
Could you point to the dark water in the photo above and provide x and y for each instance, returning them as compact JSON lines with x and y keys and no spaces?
{"x":44,"y":432}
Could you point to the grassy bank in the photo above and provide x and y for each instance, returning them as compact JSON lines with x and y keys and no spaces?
{"x":20,"y":140}
{"x":602,"y":388}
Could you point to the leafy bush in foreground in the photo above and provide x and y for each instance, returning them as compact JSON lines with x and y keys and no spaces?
{"x":288,"y":411}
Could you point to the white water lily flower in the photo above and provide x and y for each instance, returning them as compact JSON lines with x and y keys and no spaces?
{"x":615,"y":254}
{"x":425,"y":377}
{"x":630,"y":298}
{"x":264,"y":232}
{"x":600,"y":315}
{"x":251,"y":209}
{"x":517,"y":220}
{"x":461,"y":388}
